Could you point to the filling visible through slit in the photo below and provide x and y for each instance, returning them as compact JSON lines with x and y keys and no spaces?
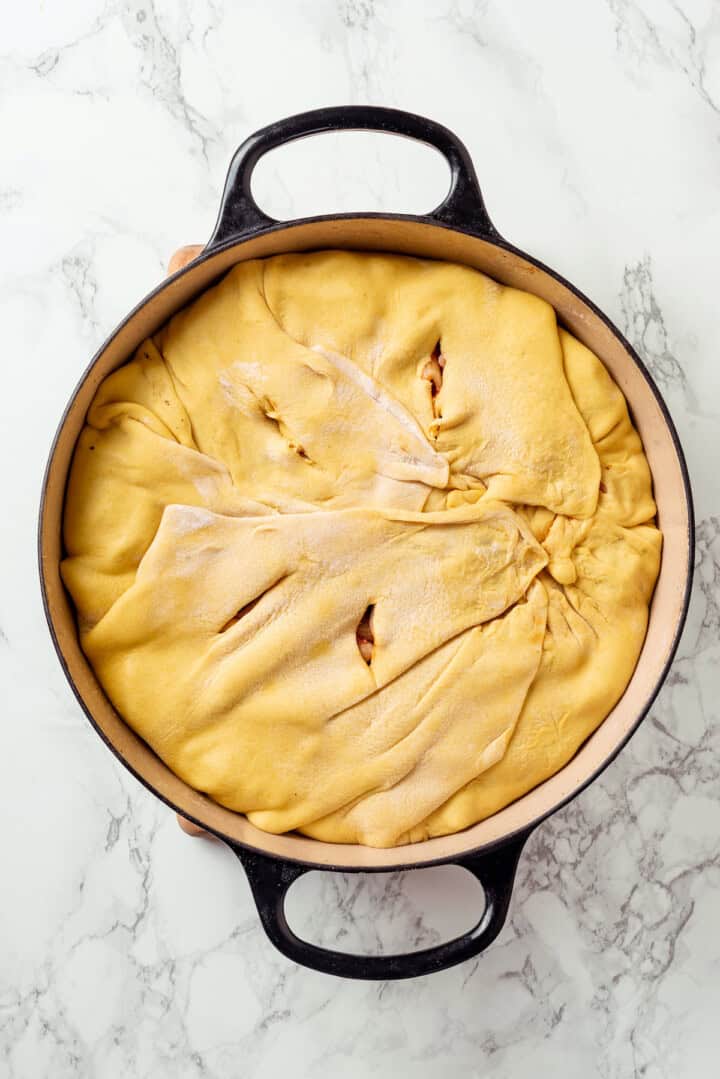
{"x":433,"y":373}
{"x":271,"y":413}
{"x":241,"y":613}
{"x":251,"y":605}
{"x":364,"y":635}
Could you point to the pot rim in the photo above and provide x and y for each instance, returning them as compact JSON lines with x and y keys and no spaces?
{"x":209,"y":254}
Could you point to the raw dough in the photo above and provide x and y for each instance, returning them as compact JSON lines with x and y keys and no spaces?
{"x":362,"y":545}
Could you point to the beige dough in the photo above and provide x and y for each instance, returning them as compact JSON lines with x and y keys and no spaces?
{"x":362,"y":545}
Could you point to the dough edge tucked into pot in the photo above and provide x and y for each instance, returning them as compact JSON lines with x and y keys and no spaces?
{"x":362,"y":545}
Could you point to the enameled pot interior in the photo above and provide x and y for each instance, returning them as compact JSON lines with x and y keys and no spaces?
{"x":429,"y":240}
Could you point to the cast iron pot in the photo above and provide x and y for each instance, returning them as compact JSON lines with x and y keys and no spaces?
{"x":459,"y":230}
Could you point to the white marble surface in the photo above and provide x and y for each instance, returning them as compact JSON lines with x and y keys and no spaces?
{"x":127,"y":949}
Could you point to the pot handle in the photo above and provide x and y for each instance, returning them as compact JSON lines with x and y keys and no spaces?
{"x":463,"y":206}
{"x":271,"y":878}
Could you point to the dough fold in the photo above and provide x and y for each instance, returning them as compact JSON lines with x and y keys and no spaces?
{"x":362,"y":545}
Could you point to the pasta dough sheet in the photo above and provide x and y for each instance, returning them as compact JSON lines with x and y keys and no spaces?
{"x":362,"y":545}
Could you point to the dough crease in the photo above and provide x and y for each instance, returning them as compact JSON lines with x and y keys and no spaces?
{"x":335,"y":440}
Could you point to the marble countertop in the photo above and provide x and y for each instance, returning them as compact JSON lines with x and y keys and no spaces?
{"x":128,"y":949}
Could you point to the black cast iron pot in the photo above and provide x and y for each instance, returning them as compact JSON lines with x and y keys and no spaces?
{"x":459,"y":230}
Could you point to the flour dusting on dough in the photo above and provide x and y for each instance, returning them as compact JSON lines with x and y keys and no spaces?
{"x":339,"y":595}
